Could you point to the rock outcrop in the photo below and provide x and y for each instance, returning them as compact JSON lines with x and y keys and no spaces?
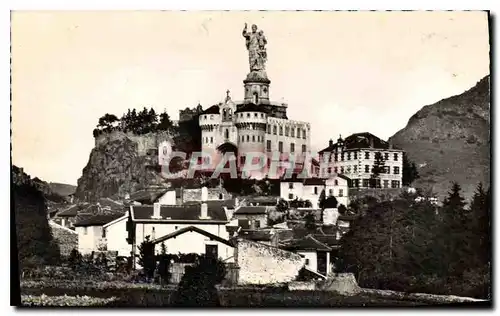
{"x":450,"y":141}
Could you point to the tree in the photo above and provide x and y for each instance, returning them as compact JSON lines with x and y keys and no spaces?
{"x":197,"y":287}
{"x":310,"y":221}
{"x":377,"y":169}
{"x":147,"y":257}
{"x":410,"y":172}
{"x":165,"y":123}
{"x":322,"y":199}
{"x":480,"y":216}
{"x":282,"y":206}
{"x":330,"y":202}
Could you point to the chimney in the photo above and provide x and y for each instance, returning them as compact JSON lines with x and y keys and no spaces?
{"x":204,"y":194}
{"x":156,"y":211}
{"x":236,"y":202}
{"x":204,"y":211}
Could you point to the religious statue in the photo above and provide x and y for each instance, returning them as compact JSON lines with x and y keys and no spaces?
{"x":256,"y":46}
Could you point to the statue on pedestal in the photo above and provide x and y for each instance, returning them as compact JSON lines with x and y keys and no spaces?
{"x":256,"y":46}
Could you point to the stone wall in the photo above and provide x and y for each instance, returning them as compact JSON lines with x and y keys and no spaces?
{"x":264,"y":264}
{"x":65,"y":237}
{"x":213,"y":194}
{"x":144,"y":142}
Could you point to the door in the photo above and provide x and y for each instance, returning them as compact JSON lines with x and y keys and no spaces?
{"x":321,"y":255}
{"x":211,"y":251}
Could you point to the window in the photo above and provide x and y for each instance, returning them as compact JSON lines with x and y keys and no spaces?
{"x":274,"y":129}
{"x":257,"y":223}
{"x":292,"y":147}
{"x":290,"y":196}
{"x":386,"y":184}
{"x":281,"y":130}
{"x":287,"y":130}
{"x":298,"y":132}
{"x":342,"y":157}
{"x":176,"y":227}
{"x":315,"y":190}
{"x":280,"y":147}
{"x":261,"y":115}
{"x":395,"y":157}
{"x":304,"y":148}
{"x":386,"y":156}
{"x":290,"y":185}
{"x":336,"y":157}
{"x":349,"y":156}
{"x":341,"y":192}
{"x":335,"y":169}
{"x":153,"y":233}
{"x":253,"y":138}
{"x":330,"y":192}
{"x":242,"y":138}
{"x":356,"y":183}
{"x":242,"y":160}
{"x":85,"y":231}
{"x":221,"y":196}
{"x":341,"y":170}
{"x":211,"y":251}
{"x":395,"y":184}
{"x":367,"y":169}
{"x":268,"y":145}
{"x":248,"y":115}
{"x":348,"y":169}
{"x":396,"y":170}
{"x":211,"y":140}
{"x":104,"y":233}
{"x":248,"y":138}
{"x":365,"y":183}
{"x":292,"y":132}
{"x":329,"y":170}
{"x":336,"y":182}
{"x":355,"y":169}
{"x":387,"y":169}
{"x":304,"y":134}
{"x":269,"y":129}
{"x":227,"y":133}
{"x":367,"y":155}
{"x":307,"y":262}
{"x":355,"y":155}
{"x":256,"y":115}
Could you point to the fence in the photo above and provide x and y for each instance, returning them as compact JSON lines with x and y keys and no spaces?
{"x":177,"y":271}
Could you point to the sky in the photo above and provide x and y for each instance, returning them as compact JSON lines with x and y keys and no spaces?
{"x":344,"y":72}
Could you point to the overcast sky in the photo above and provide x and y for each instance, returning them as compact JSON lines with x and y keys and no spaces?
{"x":344,"y":72}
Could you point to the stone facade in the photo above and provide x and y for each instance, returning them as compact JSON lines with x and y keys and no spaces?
{"x":145,"y":142}
{"x":65,"y":237}
{"x":189,"y":195}
{"x":264,"y":264}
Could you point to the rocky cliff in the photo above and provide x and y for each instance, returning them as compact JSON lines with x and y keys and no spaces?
{"x":117,"y":167}
{"x":19,"y":177}
{"x":450,"y":141}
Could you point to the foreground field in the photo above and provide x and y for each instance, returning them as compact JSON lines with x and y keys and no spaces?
{"x":121,"y":294}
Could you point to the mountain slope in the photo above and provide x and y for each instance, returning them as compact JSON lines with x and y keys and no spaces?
{"x":62,"y":189}
{"x":450,"y":141}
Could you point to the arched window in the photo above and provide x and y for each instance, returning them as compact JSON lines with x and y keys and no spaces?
{"x":255,"y":98}
{"x":281,"y":130}
{"x":229,"y":114}
{"x":227,"y":133}
{"x":274,"y":129}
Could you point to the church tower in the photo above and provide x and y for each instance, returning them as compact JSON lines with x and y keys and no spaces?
{"x":257,"y":87}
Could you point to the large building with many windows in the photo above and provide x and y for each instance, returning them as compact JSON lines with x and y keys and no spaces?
{"x":255,"y":125}
{"x":355,"y":157}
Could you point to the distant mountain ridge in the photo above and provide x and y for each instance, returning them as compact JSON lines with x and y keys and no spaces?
{"x":450,"y":141}
{"x":19,"y":177}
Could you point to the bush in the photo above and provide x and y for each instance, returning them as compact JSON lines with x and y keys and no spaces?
{"x":44,"y":300}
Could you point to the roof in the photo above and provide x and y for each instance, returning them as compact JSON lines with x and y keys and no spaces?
{"x":346,"y":217}
{"x":262,"y":200}
{"x":329,"y":240}
{"x":147,"y":196}
{"x":314,"y":181}
{"x":251,"y":210}
{"x":214,"y":203}
{"x":360,"y":141}
{"x":192,"y":229}
{"x":307,"y":243}
{"x":99,"y":219}
{"x":250,"y":107}
{"x":256,"y":235}
{"x":179,"y":213}
{"x":214,"y":109}
{"x":72,"y":211}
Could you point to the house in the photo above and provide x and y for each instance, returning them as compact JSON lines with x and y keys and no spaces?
{"x":67,"y":217}
{"x":316,"y":253}
{"x":92,"y":233}
{"x":260,"y":200}
{"x":150,"y":196}
{"x":251,"y":217}
{"x":355,"y":157}
{"x":310,"y":189}
{"x":158,"y":221}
